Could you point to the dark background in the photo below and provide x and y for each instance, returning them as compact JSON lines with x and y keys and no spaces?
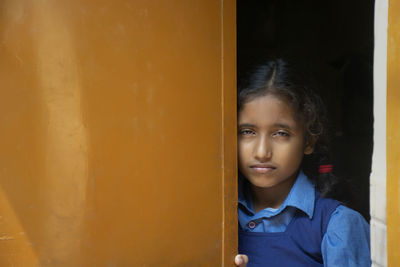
{"x":335,"y":39}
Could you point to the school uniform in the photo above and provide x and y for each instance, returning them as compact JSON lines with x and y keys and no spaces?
{"x":306,"y":230}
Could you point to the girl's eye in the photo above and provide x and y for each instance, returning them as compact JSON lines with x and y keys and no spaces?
{"x":281,"y":134}
{"x":247,"y":132}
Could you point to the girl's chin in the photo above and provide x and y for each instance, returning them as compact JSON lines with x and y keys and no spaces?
{"x":262,"y":183}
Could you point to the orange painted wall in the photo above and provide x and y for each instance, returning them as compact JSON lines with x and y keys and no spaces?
{"x":393,"y":135}
{"x":117,"y":133}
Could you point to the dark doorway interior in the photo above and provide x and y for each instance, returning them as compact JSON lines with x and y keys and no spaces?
{"x":336,"y":40}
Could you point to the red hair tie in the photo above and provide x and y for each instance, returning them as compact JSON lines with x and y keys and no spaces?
{"x":325,"y":168}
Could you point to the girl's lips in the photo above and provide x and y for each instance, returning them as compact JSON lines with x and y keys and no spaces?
{"x":262,"y":168}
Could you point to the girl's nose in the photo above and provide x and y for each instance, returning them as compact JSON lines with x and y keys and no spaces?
{"x":263,"y":151}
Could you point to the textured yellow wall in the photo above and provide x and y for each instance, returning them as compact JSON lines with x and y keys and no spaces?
{"x":117,"y":133}
{"x":393,"y":134}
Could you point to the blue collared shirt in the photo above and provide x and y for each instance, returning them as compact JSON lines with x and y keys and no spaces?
{"x":346,"y":241}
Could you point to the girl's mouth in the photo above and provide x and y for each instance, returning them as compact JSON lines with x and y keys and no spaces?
{"x":262,"y":168}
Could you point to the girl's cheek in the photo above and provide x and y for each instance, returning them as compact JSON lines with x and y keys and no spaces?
{"x":242,"y":155}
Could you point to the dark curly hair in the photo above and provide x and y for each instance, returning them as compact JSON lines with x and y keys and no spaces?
{"x":282,"y":79}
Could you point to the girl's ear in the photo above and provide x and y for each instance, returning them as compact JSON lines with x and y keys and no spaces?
{"x":310,"y":144}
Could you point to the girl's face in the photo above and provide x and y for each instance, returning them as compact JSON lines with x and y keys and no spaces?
{"x":271,"y":142}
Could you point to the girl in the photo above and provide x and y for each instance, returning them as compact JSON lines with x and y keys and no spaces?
{"x":286,"y":214}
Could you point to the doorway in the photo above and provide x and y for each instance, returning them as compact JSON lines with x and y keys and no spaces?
{"x":335,"y":40}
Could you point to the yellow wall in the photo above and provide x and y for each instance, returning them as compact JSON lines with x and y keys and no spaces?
{"x":117,"y":133}
{"x":393,"y":135}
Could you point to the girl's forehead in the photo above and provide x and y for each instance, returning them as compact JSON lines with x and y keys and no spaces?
{"x":266,"y":110}
{"x":267,"y":105}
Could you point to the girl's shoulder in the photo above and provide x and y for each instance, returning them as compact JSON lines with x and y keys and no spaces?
{"x":344,"y":218}
{"x":347,"y":237}
{"x":337,"y":218}
{"x":323,"y":211}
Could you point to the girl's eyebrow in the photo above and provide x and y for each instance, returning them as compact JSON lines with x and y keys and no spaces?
{"x":244,"y":125}
{"x":282,"y":125}
{"x":277,"y":125}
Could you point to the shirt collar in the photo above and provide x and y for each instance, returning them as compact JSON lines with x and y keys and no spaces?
{"x":301,"y":196}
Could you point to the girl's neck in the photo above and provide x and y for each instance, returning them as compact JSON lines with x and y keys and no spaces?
{"x":272,"y":197}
